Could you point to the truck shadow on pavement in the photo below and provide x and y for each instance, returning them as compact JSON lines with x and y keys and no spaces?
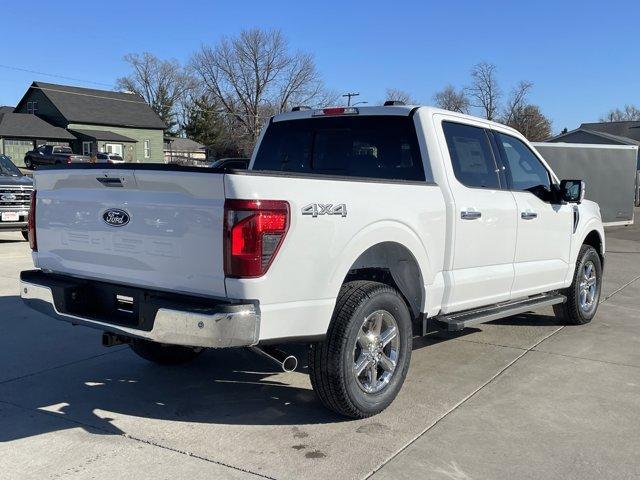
{"x":109,"y":393}
{"x":528,"y":319}
{"x":106,"y":394}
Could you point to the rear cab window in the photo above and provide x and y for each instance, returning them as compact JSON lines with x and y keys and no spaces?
{"x":376,"y":147}
{"x":62,"y":150}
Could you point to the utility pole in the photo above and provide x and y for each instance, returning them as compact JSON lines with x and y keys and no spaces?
{"x":349,"y":95}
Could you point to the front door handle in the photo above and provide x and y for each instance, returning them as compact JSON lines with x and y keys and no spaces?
{"x":470,"y":215}
{"x":528,"y":215}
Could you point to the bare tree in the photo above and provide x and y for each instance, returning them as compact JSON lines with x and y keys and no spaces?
{"x":451,"y":99}
{"x":517,"y":101}
{"x":530,"y":121}
{"x":628,"y":113}
{"x":162,"y":83}
{"x":484,"y":90}
{"x":254,"y":75}
{"x":400,"y":96}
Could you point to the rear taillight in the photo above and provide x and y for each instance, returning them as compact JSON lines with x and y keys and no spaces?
{"x":253,"y":233}
{"x":69,"y":160}
{"x":33,"y":243}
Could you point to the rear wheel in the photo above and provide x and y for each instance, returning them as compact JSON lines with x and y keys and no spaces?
{"x":163,"y":354}
{"x":359,"y":368}
{"x":583,"y":296}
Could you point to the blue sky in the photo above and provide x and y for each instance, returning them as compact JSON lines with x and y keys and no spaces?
{"x":582,"y":56}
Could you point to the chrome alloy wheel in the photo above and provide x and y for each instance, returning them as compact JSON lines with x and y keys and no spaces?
{"x":375,"y":355}
{"x":588,"y":287}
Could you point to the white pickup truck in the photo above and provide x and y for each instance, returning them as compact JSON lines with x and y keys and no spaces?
{"x":352,"y":230}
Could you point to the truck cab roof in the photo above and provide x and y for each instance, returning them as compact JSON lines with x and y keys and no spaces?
{"x":399,"y":110}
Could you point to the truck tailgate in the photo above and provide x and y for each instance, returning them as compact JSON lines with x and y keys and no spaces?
{"x":147,"y":228}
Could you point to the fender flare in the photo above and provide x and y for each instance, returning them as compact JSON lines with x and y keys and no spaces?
{"x":592,"y":225}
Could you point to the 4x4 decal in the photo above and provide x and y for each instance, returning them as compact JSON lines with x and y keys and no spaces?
{"x":315,"y":209}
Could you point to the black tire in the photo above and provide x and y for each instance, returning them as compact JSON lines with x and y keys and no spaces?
{"x":163,"y":354}
{"x":332,"y":361}
{"x":28,"y":163}
{"x":25,"y":235}
{"x":574,"y":311}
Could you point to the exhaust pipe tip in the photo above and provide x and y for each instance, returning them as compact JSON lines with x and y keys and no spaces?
{"x":288,"y":363}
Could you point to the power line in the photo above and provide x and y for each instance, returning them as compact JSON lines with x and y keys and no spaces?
{"x":221,"y":112}
{"x":49,"y":89}
{"x":19,"y":69}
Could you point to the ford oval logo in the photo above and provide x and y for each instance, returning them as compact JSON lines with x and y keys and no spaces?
{"x":10,"y":197}
{"x":116,"y":217}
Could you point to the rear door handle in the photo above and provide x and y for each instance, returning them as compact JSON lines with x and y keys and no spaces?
{"x":470,"y":215}
{"x":528,"y":215}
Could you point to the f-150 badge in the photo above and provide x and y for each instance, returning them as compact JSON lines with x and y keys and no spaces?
{"x":315,"y":209}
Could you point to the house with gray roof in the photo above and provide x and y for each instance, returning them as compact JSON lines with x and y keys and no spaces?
{"x":178,"y":149}
{"x":88,"y":120}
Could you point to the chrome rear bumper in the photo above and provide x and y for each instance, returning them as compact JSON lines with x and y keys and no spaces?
{"x":237,"y":328}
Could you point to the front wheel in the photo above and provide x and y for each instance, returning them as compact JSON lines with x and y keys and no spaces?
{"x":359,"y":368}
{"x":28,"y":163}
{"x":583,"y":296}
{"x":163,"y":354}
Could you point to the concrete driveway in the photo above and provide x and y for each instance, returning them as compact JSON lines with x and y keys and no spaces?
{"x":522,"y":398}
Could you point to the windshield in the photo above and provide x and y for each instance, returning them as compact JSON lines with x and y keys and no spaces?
{"x":7,"y":168}
{"x":383,"y":147}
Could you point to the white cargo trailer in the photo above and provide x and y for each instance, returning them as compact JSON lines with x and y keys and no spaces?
{"x":609,"y":171}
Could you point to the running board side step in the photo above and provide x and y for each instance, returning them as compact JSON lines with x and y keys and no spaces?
{"x":459,"y":320}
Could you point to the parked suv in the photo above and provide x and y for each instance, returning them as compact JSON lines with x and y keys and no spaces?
{"x":52,"y":155}
{"x":353,"y":230}
{"x":15,"y":193}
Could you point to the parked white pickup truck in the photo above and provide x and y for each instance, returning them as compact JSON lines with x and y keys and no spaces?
{"x":351,"y":231}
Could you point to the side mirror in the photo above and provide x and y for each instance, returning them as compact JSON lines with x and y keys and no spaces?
{"x":572,"y":191}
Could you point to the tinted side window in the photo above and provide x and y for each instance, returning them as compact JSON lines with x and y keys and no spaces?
{"x":524,"y":170}
{"x":285,"y":147}
{"x":471,"y":155}
{"x":384,"y":147}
